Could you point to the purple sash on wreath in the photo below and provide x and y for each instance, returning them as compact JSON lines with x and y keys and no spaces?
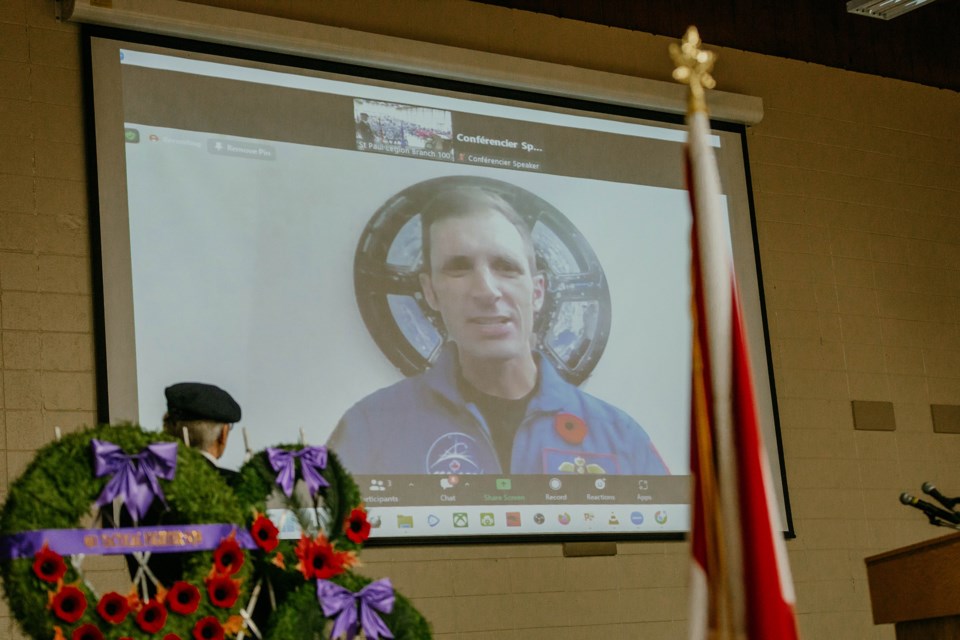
{"x":337,"y":601}
{"x":313,"y":460}
{"x":134,"y":477}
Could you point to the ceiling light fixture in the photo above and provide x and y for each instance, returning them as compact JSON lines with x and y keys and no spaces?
{"x":884,"y":9}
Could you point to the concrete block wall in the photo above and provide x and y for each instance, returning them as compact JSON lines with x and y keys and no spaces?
{"x":855,"y":181}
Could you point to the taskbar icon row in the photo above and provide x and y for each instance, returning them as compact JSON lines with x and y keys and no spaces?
{"x":390,"y":522}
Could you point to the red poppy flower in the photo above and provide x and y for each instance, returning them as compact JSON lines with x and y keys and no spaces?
{"x":152,"y":616}
{"x":228,"y":558}
{"x":183,"y":598}
{"x":356,"y":526}
{"x":171,"y":636}
{"x":264,"y":533}
{"x":208,"y":629}
{"x":113,"y":607}
{"x":570,"y":427}
{"x":87,"y":632}
{"x":48,"y":565}
{"x":318,"y":558}
{"x":223,"y":591}
{"x":69,"y":603}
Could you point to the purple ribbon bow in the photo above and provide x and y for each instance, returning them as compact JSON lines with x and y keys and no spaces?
{"x":135,"y":477}
{"x":312,"y":461}
{"x":338,"y":601}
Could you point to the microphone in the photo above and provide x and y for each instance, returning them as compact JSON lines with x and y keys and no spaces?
{"x":931,"y":490}
{"x":931,"y":510}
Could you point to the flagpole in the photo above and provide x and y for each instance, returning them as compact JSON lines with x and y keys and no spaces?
{"x":740,"y":580}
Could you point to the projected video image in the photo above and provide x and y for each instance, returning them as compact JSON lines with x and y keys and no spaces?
{"x":493,"y":394}
{"x":481,"y":307}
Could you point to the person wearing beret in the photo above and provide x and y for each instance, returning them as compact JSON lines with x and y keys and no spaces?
{"x":202,"y":415}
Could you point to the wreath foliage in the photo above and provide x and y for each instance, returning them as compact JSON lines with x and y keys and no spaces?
{"x":58,"y":489}
{"x":50,"y":598}
{"x":298,"y":613}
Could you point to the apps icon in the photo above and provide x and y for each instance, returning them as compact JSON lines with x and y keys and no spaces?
{"x":513,"y":518}
{"x":460,"y":520}
{"x":660,"y":517}
{"x":555,"y":484}
{"x":539,"y":519}
{"x":433,"y":520}
{"x":404,"y":522}
{"x":486,"y":520}
{"x":564,"y":518}
{"x":504,"y":484}
{"x":636,"y":517}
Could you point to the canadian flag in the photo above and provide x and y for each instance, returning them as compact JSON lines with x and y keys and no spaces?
{"x":740,"y":585}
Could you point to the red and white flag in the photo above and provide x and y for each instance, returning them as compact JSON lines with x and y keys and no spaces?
{"x":741,"y":586}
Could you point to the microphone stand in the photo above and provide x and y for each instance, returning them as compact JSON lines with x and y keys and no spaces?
{"x":937,"y":522}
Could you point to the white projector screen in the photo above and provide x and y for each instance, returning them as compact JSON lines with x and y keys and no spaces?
{"x":261,"y":231}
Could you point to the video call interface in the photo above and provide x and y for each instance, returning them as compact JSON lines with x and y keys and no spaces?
{"x":267,"y":239}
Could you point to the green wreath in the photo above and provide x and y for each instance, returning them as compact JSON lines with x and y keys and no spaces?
{"x":49,"y":597}
{"x":338,"y":540}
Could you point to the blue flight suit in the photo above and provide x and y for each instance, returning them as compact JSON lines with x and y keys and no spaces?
{"x":423,"y":425}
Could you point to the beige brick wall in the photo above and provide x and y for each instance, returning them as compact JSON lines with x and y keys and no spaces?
{"x":855,"y":180}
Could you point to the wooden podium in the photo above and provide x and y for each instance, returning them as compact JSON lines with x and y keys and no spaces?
{"x":918,"y":589}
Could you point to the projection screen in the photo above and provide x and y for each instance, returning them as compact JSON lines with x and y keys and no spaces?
{"x":261,"y":230}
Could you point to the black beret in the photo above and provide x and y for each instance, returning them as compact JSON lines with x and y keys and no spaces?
{"x":199,"y":401}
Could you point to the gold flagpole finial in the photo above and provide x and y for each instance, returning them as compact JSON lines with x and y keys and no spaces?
{"x":693,"y":68}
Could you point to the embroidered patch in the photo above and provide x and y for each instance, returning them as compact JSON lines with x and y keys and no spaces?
{"x":453,"y":453}
{"x":583,"y":462}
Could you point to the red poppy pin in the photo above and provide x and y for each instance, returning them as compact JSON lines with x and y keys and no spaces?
{"x":570,"y":427}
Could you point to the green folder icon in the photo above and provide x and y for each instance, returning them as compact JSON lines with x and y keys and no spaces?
{"x":404,"y":522}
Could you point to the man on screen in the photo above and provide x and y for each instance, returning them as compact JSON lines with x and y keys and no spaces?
{"x":490,"y":403}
